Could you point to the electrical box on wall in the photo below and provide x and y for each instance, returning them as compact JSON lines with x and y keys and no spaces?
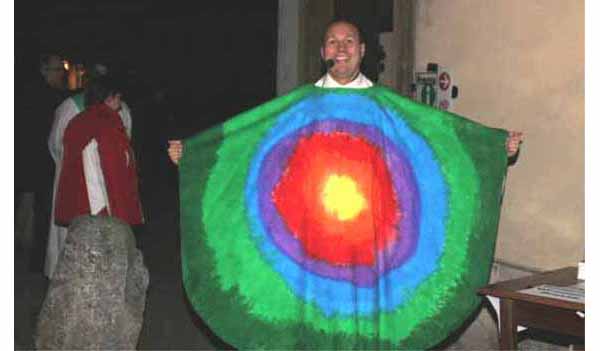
{"x":435,"y":87}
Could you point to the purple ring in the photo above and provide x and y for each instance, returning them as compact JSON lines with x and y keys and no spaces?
{"x":403,"y":180}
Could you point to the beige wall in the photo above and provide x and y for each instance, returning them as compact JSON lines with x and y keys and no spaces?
{"x":520,"y":65}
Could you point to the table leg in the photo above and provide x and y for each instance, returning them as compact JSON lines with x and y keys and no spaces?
{"x":508,"y":325}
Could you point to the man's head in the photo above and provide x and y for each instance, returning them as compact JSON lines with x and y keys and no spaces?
{"x":343,"y":44}
{"x":103,"y":89}
{"x":53,"y":70}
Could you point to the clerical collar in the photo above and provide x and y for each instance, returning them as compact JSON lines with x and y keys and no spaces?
{"x":360,"y":82}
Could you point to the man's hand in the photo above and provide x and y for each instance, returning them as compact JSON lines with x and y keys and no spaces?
{"x":175,"y":150}
{"x":513,"y":141}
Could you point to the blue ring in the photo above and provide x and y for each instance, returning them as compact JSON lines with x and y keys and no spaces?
{"x":341,"y":297}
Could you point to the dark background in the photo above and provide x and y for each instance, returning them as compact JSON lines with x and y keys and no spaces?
{"x":213,"y":58}
{"x":184,"y":66}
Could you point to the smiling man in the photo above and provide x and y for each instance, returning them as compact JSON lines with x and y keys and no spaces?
{"x":343,"y":51}
{"x":343,"y":46}
{"x":329,"y":191}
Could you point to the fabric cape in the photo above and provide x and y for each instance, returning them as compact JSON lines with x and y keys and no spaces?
{"x":340,"y":219}
{"x":117,"y":161}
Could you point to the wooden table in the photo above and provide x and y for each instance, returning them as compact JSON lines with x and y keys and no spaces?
{"x":520,"y":309}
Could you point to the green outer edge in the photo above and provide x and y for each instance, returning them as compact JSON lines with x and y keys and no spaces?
{"x":207,"y":143}
{"x":487,"y":151}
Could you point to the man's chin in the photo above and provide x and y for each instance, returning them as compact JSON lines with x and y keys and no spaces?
{"x":343,"y":76}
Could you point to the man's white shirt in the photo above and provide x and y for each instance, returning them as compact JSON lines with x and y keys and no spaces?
{"x":360,"y":82}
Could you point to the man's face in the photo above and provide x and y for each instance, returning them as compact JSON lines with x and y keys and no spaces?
{"x":56,"y":72}
{"x":342,"y":45}
{"x":114,"y":102}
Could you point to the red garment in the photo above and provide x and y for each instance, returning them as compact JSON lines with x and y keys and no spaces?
{"x":117,"y":161}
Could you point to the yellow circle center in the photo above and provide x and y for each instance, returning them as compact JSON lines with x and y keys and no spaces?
{"x":342,"y":198}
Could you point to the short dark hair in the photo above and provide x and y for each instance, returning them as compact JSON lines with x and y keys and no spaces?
{"x":101,"y":88}
{"x":344,"y":20}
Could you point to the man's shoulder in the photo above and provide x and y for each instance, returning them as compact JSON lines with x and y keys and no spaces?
{"x":68,"y":104}
{"x":125,"y":110}
{"x":80,"y":120}
{"x":88,"y":118}
{"x":74,"y":128}
{"x":319,"y":83}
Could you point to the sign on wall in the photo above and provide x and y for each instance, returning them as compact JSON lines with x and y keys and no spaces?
{"x":435,"y":87}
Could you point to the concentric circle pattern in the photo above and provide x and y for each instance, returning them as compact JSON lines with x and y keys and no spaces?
{"x":339,"y":219}
{"x":336,"y":198}
{"x":384,"y":240}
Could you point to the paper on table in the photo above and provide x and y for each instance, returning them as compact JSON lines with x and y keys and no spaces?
{"x":573,"y":293}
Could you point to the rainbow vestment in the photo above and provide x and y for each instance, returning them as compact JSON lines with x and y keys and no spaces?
{"x":340,"y":219}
